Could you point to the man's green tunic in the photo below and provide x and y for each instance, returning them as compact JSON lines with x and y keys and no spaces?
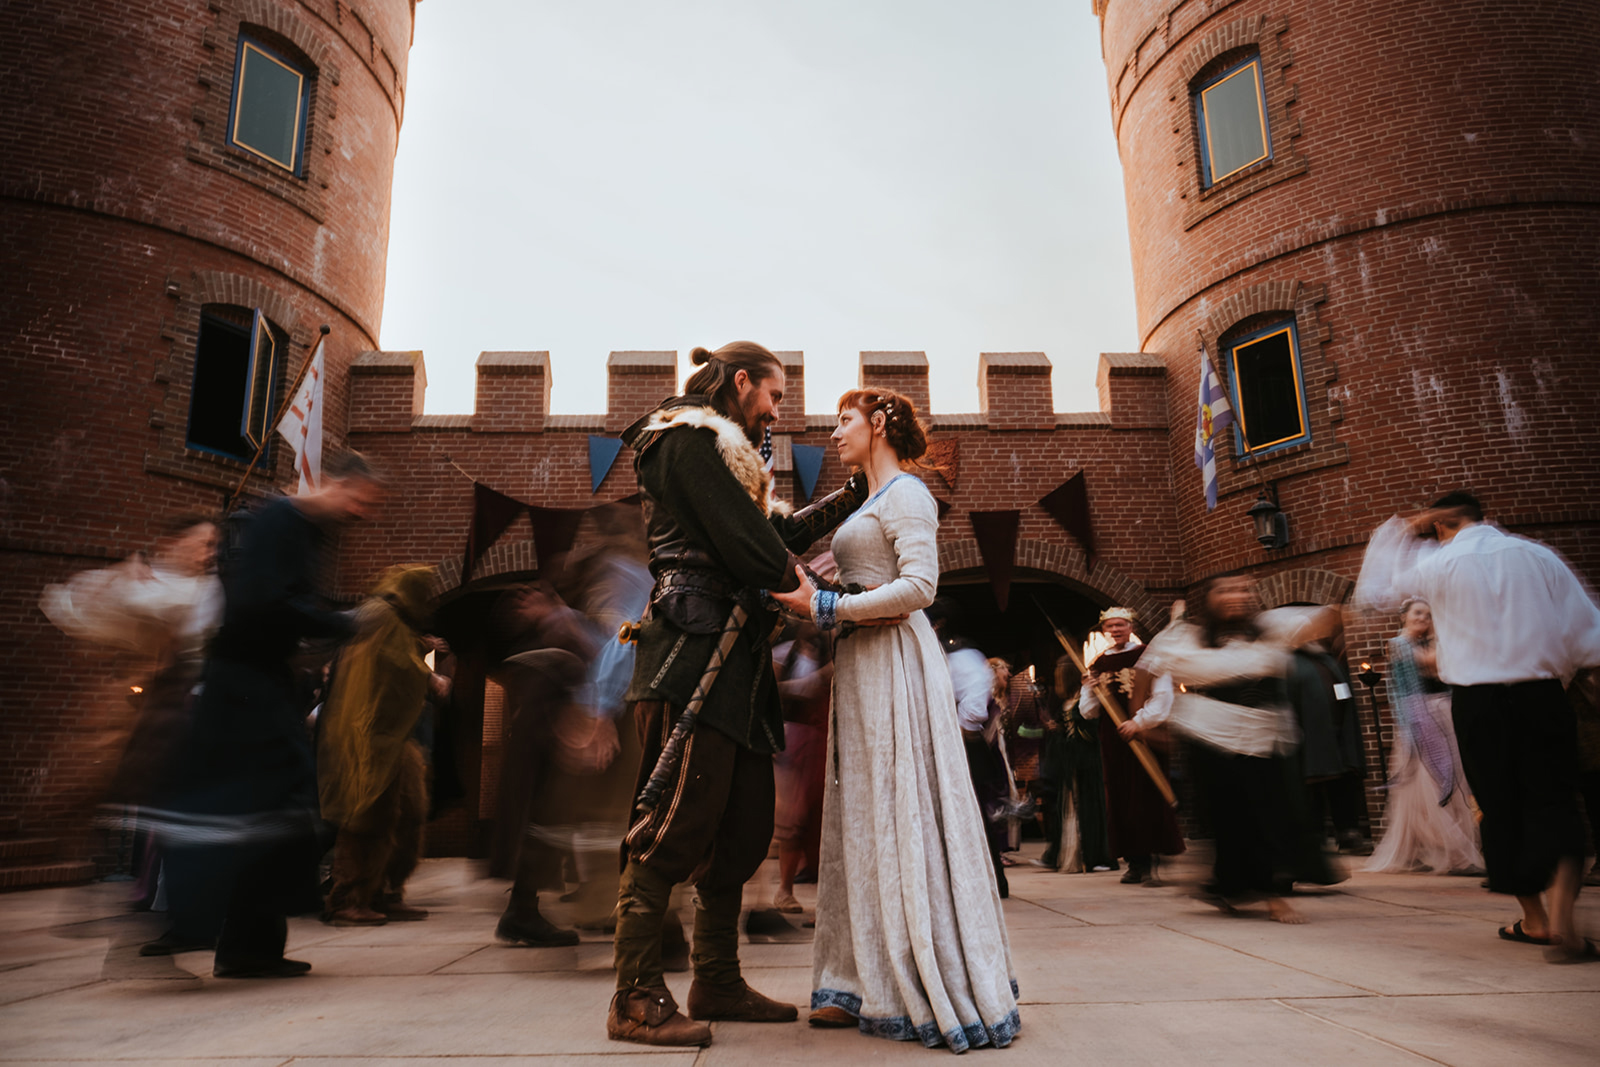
{"x":683,"y":470}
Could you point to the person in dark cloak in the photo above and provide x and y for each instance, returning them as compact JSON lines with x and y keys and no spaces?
{"x":1330,"y":734}
{"x":242,"y":837}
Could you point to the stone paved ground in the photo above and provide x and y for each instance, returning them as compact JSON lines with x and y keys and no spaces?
{"x":1391,"y":969}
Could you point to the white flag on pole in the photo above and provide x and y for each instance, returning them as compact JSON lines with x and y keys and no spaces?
{"x":301,"y":426}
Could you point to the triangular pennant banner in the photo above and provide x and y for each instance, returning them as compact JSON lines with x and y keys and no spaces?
{"x":807,"y":465}
{"x":492,"y":512}
{"x":944,"y":457}
{"x":602,"y":454}
{"x":1068,"y":504}
{"x":996,"y":532}
{"x":944,"y":507}
{"x":554,"y":530}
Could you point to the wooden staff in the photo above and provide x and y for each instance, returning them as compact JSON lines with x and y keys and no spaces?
{"x":1114,"y":712}
{"x":272,"y":427}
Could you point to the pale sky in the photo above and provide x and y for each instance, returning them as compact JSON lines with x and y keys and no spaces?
{"x":832,"y":176}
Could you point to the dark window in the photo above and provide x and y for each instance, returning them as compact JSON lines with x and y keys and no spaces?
{"x":270,"y":99}
{"x":235,"y":368}
{"x":1267,"y":392}
{"x":1231,"y":110}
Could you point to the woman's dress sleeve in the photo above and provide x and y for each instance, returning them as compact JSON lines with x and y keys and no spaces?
{"x":909,"y":519}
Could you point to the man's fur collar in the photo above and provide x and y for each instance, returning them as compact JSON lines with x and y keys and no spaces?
{"x":733,"y":446}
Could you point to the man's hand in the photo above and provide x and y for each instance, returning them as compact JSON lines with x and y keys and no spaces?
{"x":1129,"y":730}
{"x":797,"y":602}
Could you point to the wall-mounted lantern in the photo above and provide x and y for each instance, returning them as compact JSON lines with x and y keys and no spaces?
{"x":1272,"y":525}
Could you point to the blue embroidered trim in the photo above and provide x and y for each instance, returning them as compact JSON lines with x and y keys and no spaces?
{"x":900,"y":1028}
{"x":827,"y":609}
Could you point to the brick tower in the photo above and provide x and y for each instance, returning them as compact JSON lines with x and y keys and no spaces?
{"x":1384,"y":221}
{"x":188,"y":191}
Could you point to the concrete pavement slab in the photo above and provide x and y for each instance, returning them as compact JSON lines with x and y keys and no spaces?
{"x":1238,"y":1034}
{"x":1151,"y":977}
{"x":642,"y":1058}
{"x":226,"y":1061}
{"x":1536,"y":1030}
{"x":1427,"y":954}
{"x":321,"y":1016}
{"x":1151,"y":965}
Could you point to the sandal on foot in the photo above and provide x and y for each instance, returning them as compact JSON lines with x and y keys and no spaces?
{"x":1514,"y":932}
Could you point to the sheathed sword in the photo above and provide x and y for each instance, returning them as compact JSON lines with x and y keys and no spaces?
{"x":672,"y":751}
{"x":1114,"y":712}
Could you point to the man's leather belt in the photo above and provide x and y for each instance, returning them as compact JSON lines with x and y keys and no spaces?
{"x":706,"y":583}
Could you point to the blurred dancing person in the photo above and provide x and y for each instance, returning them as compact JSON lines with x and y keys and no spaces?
{"x":243,"y":802}
{"x":372,"y":774}
{"x":911,"y":940}
{"x":805,"y":680}
{"x":165,"y":609}
{"x":715,"y":542}
{"x":1429,"y":812}
{"x":1516,"y":729}
{"x":543,"y":650}
{"x":1233,"y":703}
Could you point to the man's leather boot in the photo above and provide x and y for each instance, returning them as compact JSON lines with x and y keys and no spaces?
{"x":737,"y":1003}
{"x":651,"y":1017}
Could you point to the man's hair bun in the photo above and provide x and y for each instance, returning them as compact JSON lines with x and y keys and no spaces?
{"x":700,"y":356}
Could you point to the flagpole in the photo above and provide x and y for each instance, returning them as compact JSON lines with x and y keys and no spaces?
{"x":272,"y":427}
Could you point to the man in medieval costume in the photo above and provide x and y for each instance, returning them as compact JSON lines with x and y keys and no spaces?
{"x":1142,"y":824}
{"x":241,"y":843}
{"x":716,"y":540}
{"x":371,"y":772}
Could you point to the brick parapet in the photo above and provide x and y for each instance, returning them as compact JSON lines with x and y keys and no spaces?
{"x":513,"y":392}
{"x":1014,"y":390}
{"x":1133,"y":389}
{"x":635,"y":383}
{"x":386,"y":391}
{"x":904,"y":372}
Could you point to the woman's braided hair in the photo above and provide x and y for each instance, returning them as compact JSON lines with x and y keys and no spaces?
{"x":901,"y":427}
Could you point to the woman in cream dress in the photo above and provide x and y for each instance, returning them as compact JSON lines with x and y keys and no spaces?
{"x":911,"y":941}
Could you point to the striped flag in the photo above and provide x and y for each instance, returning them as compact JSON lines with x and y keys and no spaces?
{"x":301,"y":426}
{"x":1214,"y":416}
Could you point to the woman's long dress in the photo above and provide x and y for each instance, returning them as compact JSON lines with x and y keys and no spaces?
{"x":910,"y":934}
{"x":1430,"y":822}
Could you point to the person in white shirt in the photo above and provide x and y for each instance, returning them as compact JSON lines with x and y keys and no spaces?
{"x":1515,"y":727}
{"x":973,"y":680}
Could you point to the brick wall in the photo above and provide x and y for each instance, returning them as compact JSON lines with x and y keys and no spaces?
{"x":1430,"y":223}
{"x":122,"y":213}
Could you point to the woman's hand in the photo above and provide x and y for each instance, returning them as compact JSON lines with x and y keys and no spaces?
{"x":798,"y":602}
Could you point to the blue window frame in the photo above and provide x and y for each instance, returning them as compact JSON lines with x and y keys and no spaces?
{"x":1269,"y":394}
{"x":1231,"y":113}
{"x":267,"y":114}
{"x":235,"y":376}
